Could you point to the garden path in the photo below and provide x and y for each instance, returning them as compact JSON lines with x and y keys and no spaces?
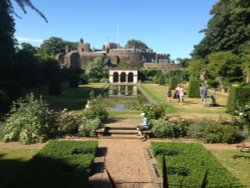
{"x":125,"y":160}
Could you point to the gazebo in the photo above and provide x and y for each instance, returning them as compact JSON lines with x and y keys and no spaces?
{"x":123,"y":76}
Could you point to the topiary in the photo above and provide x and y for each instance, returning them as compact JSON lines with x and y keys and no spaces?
{"x":238,"y":96}
{"x":162,"y":79}
{"x":193,"y":89}
{"x":173,"y":83}
{"x":74,"y":81}
{"x":55,"y":87}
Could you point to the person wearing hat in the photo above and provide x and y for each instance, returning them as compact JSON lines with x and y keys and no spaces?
{"x":143,"y":126}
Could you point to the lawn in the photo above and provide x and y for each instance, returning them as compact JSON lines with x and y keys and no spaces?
{"x":191,"y":107}
{"x":239,"y":167}
{"x":12,"y":160}
{"x":73,"y":99}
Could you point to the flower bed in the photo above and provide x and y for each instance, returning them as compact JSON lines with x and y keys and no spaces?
{"x":58,"y":164}
{"x":187,"y":164}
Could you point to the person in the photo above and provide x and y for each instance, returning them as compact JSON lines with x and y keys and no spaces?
{"x":203,"y":95}
{"x":213,"y":98}
{"x":169,"y":95}
{"x":143,"y":126}
{"x":177,"y":94}
{"x":181,"y":94}
{"x":87,"y":106}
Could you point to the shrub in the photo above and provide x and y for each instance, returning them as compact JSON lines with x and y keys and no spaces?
{"x":68,"y":122}
{"x":218,"y":133}
{"x":148,"y":74}
{"x":212,"y":83}
{"x":104,"y":80}
{"x":162,"y":79}
{"x":173,"y":83}
{"x":193,"y":89}
{"x":74,"y":81}
{"x":84,"y":79}
{"x":4,"y":102}
{"x":153,"y":111}
{"x":89,"y":127}
{"x":238,"y":96}
{"x":55,"y":87}
{"x":165,"y":129}
{"x":12,"y":89}
{"x":96,"y":110}
{"x":26,"y":121}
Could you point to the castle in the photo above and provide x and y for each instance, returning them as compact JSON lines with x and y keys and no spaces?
{"x":79,"y":59}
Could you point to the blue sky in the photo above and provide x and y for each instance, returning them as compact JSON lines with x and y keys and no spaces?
{"x":166,"y":26}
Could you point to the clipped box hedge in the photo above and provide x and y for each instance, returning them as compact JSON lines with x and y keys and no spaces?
{"x":238,"y":96}
{"x":58,"y":164}
{"x":174,"y":81}
{"x":191,"y":161}
{"x":193,"y":89}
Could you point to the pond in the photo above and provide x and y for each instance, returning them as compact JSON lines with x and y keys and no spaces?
{"x":123,"y":97}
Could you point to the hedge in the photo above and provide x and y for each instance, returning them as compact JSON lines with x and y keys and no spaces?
{"x":238,"y":96}
{"x":193,"y":89}
{"x":191,"y":161}
{"x":58,"y":164}
{"x":173,"y":83}
{"x":55,"y":87}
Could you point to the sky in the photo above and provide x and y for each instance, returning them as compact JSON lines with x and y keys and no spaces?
{"x":166,"y":26}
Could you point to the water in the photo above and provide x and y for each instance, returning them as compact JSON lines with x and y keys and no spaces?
{"x":123,"y":97}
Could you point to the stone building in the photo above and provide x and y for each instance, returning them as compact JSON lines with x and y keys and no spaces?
{"x":79,"y":59}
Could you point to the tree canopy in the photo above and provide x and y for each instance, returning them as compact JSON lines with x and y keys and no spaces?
{"x":137,"y":44}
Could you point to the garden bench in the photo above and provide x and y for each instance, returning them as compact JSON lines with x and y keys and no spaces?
{"x":147,"y":133}
{"x":243,"y":147}
{"x":100,"y":132}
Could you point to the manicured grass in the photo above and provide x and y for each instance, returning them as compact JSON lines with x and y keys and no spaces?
{"x":189,"y":162}
{"x":58,"y":164}
{"x":239,"y":167}
{"x":11,"y":162}
{"x":72,"y":98}
{"x":191,"y":106}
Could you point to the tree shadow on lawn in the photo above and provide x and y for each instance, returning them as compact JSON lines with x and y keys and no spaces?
{"x":48,"y":172}
{"x":9,"y":168}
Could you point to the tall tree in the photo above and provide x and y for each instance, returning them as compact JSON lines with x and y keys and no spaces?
{"x":137,"y":44}
{"x":227,"y":29}
{"x":6,"y":38}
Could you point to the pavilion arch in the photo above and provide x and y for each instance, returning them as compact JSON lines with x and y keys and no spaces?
{"x":130,"y":77}
{"x":115,"y":77}
{"x":123,"y":77}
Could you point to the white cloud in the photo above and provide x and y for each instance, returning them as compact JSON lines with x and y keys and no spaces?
{"x":29,"y":39}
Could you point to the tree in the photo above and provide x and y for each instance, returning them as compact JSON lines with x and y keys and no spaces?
{"x":183,"y":62}
{"x":195,"y":67}
{"x":55,"y":45}
{"x":22,"y":4}
{"x":136,"y":44}
{"x":227,"y":29}
{"x":224,"y":65}
{"x":28,"y":48}
{"x":6,"y":39}
{"x":97,"y":69}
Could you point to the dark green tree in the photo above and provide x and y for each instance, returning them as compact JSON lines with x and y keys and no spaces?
{"x":6,"y":38}
{"x":137,"y":44}
{"x":227,"y":30}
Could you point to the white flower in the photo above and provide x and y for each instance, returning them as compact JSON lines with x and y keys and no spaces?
{"x":241,"y":114}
